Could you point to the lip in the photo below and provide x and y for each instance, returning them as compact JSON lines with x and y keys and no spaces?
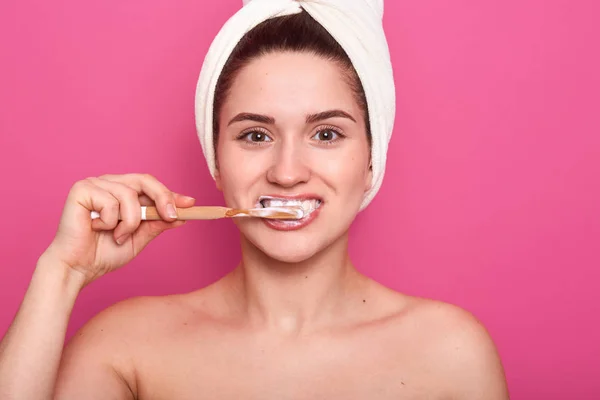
{"x":292,"y":225}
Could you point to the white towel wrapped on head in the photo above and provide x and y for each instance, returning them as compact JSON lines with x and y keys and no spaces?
{"x":355,"y":24}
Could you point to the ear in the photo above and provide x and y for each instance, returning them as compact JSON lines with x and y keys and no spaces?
{"x":369,"y":178}
{"x":218,"y":182}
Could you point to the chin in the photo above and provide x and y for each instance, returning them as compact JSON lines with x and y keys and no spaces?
{"x":292,"y":249}
{"x":287,"y":247}
{"x":292,"y":255}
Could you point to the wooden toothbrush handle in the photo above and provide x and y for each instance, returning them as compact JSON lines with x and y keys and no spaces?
{"x":191,"y":213}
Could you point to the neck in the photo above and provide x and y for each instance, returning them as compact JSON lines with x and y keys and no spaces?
{"x":295,"y":297}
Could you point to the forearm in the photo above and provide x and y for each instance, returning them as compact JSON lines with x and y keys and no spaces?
{"x":31,"y":350}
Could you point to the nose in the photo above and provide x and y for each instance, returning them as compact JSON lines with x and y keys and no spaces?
{"x":288,"y":166}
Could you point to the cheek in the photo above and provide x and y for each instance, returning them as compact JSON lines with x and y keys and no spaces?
{"x":345,"y":177}
{"x":238,"y":170}
{"x":244,"y":164}
{"x":346,"y":170}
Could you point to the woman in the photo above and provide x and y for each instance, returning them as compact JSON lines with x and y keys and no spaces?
{"x":295,"y":319}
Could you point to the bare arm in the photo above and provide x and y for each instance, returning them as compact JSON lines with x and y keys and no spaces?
{"x":476,"y":371}
{"x":97,"y":362}
{"x":82,"y":251}
{"x":31,"y":354}
{"x":482,"y":376}
{"x":31,"y":349}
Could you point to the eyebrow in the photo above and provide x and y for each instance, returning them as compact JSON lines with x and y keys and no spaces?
{"x":311,"y":118}
{"x":265,"y":119}
{"x":328,"y":114}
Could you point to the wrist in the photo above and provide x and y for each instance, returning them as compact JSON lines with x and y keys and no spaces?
{"x":58,"y":274}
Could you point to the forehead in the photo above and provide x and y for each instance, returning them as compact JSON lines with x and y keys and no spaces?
{"x":283,"y":81}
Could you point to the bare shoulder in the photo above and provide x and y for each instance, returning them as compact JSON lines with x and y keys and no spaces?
{"x":446,"y":321}
{"x":129,"y":321}
{"x":104,"y":352}
{"x":141,"y":322}
{"x":126,"y":318}
{"x":458,"y":348}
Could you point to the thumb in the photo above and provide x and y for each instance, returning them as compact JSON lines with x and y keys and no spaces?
{"x":149,"y":230}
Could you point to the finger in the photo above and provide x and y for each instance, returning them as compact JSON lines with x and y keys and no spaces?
{"x":145,"y":200}
{"x":181,"y":201}
{"x":149,"y":230}
{"x":129,"y":207}
{"x":150,"y":187}
{"x":147,"y":184}
{"x":93,"y":198}
{"x":184,"y":201}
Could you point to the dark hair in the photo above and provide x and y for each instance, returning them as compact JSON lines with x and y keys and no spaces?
{"x":289,"y":33}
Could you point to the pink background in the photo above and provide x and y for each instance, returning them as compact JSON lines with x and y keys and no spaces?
{"x":491,"y":198}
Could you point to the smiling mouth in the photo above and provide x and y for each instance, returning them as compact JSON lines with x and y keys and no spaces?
{"x":307,"y":205}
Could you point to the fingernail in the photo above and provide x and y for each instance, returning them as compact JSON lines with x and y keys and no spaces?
{"x":189,"y":198}
{"x":171,"y":211}
{"x":122,"y":239}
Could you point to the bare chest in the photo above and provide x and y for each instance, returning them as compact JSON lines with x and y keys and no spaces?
{"x":258,"y":367}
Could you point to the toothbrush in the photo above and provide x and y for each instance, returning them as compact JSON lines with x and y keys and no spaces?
{"x":216,"y":212}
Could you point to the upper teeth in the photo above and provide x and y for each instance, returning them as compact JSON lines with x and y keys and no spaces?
{"x":307,"y":205}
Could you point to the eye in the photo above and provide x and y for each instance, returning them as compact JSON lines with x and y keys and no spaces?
{"x":327,"y":134}
{"x":254,"y":136}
